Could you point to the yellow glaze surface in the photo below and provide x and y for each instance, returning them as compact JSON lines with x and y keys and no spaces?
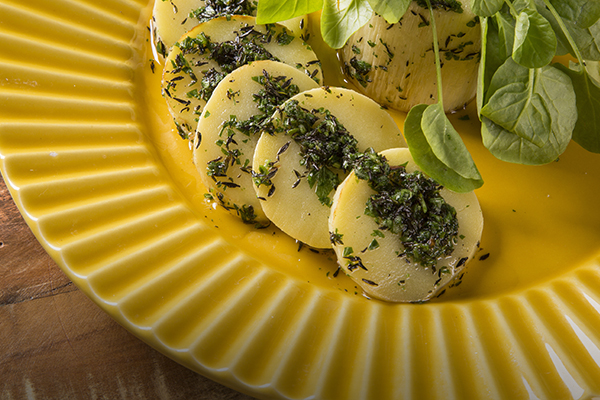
{"x":91,"y":159}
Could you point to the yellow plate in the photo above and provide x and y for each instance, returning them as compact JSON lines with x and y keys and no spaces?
{"x":89,"y":154}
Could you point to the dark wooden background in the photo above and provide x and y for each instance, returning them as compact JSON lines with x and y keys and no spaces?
{"x":55,"y":343}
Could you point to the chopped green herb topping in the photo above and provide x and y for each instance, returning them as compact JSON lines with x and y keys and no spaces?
{"x":275,"y":91}
{"x":359,"y":70}
{"x":219,"y":8}
{"x":411,"y":206}
{"x":353,"y":262}
{"x":284,"y":38}
{"x":446,"y":5}
{"x":246,"y":213}
{"x":336,"y":237}
{"x":248,"y":46}
{"x":209,"y":82}
{"x":326,"y":146}
{"x":265,"y":174}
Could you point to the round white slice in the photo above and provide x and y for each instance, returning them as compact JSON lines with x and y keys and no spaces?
{"x":387,"y":276}
{"x":190,"y":67}
{"x":219,"y":144}
{"x":395,"y":65}
{"x":290,"y":202}
{"x":173,"y":18}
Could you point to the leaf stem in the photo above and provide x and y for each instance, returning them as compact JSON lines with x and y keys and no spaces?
{"x":565,"y":30}
{"x":436,"y":48}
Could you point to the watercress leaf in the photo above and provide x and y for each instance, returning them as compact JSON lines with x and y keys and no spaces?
{"x":508,"y":147}
{"x":446,"y":143}
{"x":486,"y":8}
{"x":270,"y":11}
{"x":535,"y":41}
{"x":506,"y":35}
{"x":523,"y":5}
{"x":497,"y":37}
{"x":587,"y":89}
{"x":582,"y":13}
{"x":391,"y":10}
{"x":516,"y":106}
{"x":587,"y":40}
{"x":341,"y":18}
{"x":593,"y":68}
{"x":426,"y":159}
{"x":556,"y":89}
{"x":509,"y":72}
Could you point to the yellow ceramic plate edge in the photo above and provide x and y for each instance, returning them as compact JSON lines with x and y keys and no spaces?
{"x":90,"y":186}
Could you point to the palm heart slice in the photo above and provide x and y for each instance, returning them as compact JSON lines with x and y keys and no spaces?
{"x":222,"y":153}
{"x":173,"y":18}
{"x":390,"y":277}
{"x":204,"y":55}
{"x":395,"y":65}
{"x":290,"y":203}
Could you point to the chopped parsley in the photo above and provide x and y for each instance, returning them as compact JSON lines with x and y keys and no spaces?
{"x":359,"y":70}
{"x":276,"y":90}
{"x":409,"y":205}
{"x":219,"y":8}
{"x":326,"y":147}
{"x":248,"y":46}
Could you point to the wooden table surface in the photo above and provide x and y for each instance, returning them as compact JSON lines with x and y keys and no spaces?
{"x":55,"y":343}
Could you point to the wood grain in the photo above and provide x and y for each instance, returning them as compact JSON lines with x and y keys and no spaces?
{"x":55,"y":343}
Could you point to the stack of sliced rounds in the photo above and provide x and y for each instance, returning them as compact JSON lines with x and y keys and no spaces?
{"x":384,"y":272}
{"x":204,"y":55}
{"x":289,"y":201}
{"x":225,"y":140}
{"x":173,"y":18}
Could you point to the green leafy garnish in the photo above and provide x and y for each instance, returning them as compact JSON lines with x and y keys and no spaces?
{"x":434,"y":143}
{"x":271,"y":11}
{"x":587,"y":90}
{"x":530,"y":108}
{"x":517,"y":104}
{"x":535,"y":41}
{"x":391,"y":10}
{"x":486,"y":8}
{"x":341,"y":18}
{"x":582,"y":13}
{"x":424,"y":157}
